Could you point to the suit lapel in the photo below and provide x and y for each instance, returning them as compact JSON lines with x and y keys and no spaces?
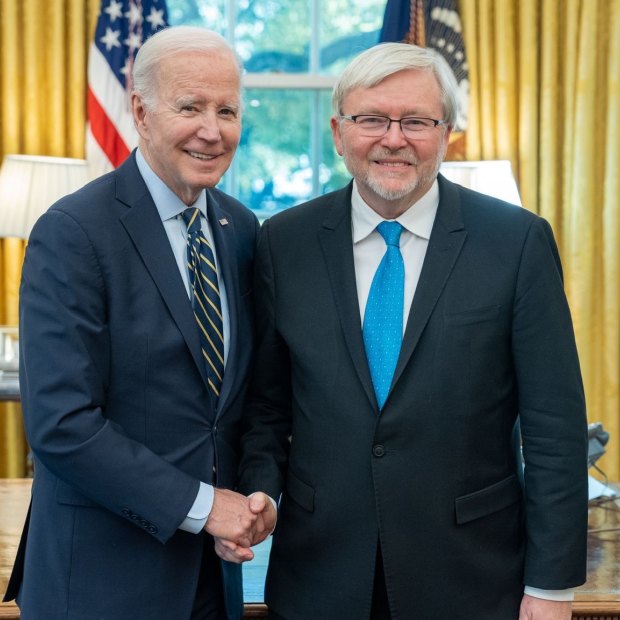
{"x":146,"y":230}
{"x":223,"y":229}
{"x":445,"y":244}
{"x":336,"y":241}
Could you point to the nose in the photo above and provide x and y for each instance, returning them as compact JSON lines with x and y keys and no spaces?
{"x":394,"y":137}
{"x":209,"y":128}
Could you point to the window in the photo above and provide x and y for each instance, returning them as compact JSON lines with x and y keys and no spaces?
{"x":292,"y":52}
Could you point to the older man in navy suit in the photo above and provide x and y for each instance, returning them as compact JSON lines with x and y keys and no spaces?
{"x":404,"y":324}
{"x":131,"y":407}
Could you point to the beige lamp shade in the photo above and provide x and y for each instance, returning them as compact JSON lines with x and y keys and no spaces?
{"x":494,"y":178}
{"x":30,"y":184}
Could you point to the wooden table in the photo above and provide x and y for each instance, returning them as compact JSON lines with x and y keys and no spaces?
{"x":14,"y":496}
{"x":597,"y":599}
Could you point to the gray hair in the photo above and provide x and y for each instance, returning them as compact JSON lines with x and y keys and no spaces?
{"x":381,"y":61}
{"x":169,"y":41}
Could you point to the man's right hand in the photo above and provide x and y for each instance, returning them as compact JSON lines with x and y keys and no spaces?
{"x":232,"y":519}
{"x":266,"y":514}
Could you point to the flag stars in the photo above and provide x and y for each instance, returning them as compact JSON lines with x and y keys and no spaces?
{"x":126,"y":68}
{"x":114,"y":10}
{"x":156,"y":18}
{"x":110,"y":39}
{"x":133,"y":41}
{"x":134,"y":15}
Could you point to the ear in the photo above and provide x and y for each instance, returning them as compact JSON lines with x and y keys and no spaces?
{"x":446,"y":138}
{"x":139,"y":114}
{"x":335,"y":125}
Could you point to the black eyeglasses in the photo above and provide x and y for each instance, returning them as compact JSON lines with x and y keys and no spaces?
{"x":375,"y":126}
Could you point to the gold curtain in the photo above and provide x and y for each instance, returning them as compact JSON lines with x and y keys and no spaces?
{"x":43,"y":54}
{"x":545,"y":79}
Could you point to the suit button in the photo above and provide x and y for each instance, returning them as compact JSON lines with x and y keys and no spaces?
{"x":378,"y":450}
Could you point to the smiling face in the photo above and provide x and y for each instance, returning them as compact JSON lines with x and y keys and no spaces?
{"x":190,"y":136}
{"x":392,"y":171}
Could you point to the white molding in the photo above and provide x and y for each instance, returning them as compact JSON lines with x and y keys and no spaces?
{"x":288,"y":80}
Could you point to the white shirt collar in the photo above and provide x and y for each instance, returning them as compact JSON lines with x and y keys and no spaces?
{"x":168,"y":204}
{"x":418,"y":219}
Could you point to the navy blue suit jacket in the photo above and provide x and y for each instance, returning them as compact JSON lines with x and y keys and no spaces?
{"x":433,"y":476}
{"x":116,"y":406}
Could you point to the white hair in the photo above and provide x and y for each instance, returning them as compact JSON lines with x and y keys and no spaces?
{"x":169,"y":41}
{"x":379,"y":62}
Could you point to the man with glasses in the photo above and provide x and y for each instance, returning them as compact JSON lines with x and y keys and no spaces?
{"x":405,"y":323}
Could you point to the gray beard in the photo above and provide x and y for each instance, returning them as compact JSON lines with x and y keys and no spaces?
{"x":398,"y":194}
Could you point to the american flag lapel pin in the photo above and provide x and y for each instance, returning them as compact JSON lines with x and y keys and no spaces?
{"x":223,"y":222}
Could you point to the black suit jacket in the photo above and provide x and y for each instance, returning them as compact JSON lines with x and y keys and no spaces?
{"x":116,"y":406}
{"x":433,"y":477}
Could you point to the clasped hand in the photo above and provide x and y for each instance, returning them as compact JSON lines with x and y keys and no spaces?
{"x":238,"y":523}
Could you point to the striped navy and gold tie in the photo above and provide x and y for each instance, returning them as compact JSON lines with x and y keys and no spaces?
{"x":205,"y":298}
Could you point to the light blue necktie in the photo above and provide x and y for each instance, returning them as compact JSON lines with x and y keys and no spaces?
{"x":383,"y":319}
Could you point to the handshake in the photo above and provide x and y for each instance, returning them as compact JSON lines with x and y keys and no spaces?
{"x":237,"y":523}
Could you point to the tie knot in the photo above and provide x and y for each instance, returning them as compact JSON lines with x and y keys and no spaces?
{"x":191,"y":217}
{"x":390,"y":231}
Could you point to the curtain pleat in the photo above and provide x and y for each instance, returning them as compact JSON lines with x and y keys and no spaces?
{"x":545,"y":95}
{"x":607,"y":398}
{"x":527,"y":112}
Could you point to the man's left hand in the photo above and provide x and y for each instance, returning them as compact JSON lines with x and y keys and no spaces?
{"x":533,"y":608}
{"x":232,"y":552}
{"x":262,"y":506}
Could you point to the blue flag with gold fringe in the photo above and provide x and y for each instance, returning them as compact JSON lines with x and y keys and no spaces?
{"x":435,"y":24}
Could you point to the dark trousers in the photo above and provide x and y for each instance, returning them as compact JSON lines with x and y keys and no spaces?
{"x":380,"y":609}
{"x":209,"y":601}
{"x":380,"y":606}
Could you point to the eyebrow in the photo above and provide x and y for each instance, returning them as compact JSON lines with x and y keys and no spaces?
{"x":185,"y":99}
{"x":198,"y":100}
{"x":376,"y":112}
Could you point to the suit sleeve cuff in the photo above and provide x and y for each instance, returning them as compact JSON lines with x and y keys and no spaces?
{"x":199,"y":512}
{"x":551,"y":595}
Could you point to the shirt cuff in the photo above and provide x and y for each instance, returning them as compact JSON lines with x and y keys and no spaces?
{"x":551,"y":595}
{"x":199,"y":512}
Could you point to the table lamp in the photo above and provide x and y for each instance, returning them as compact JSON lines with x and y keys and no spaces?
{"x":494,"y":178}
{"x":30,"y":184}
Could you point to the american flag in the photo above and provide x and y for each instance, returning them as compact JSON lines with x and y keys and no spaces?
{"x":122,"y":27}
{"x":435,"y":24}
